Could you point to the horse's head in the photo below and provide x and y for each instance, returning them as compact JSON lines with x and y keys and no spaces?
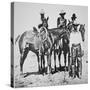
{"x":82,"y":30}
{"x":45,"y":22}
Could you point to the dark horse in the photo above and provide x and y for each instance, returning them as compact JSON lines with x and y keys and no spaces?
{"x":64,"y":44}
{"x":56,"y":34}
{"x":64,"y":49}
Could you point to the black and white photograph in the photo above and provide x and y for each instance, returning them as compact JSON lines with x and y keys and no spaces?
{"x":49,"y":44}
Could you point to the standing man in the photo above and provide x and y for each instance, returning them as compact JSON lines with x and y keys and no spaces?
{"x":76,"y":48}
{"x":61,"y":21}
{"x":73,"y":23}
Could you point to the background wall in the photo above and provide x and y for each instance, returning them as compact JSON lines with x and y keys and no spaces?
{"x":5,"y":42}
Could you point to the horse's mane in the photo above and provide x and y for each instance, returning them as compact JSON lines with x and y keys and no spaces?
{"x":55,"y":31}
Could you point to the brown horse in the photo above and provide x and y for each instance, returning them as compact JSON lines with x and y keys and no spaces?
{"x":56,"y":34}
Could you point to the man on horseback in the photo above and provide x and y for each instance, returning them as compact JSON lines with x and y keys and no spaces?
{"x":44,"y":20}
{"x":45,"y":41}
{"x":61,"y":21}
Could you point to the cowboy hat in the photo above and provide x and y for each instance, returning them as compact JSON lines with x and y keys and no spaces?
{"x":42,"y":12}
{"x":62,"y":12}
{"x":76,"y":25}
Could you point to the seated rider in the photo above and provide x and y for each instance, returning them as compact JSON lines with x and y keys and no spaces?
{"x":61,"y":21}
{"x":44,"y":20}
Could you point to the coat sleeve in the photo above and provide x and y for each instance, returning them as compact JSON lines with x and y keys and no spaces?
{"x":81,"y":42}
{"x":58,"y":21}
{"x":65,"y":22}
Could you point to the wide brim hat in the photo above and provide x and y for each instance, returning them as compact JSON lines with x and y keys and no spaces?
{"x":62,"y":12}
{"x":42,"y":12}
{"x":76,"y":25}
{"x":73,"y":16}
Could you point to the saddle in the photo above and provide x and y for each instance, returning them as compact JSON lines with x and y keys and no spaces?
{"x":35,"y":30}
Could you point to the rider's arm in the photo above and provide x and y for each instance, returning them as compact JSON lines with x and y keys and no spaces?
{"x":81,"y":42}
{"x":58,"y":22}
{"x":65,"y":22}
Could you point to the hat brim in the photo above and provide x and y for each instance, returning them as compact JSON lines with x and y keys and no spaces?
{"x":76,"y":24}
{"x":73,"y":17}
{"x":62,"y":13}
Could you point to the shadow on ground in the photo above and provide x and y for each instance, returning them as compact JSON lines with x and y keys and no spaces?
{"x":44,"y":71}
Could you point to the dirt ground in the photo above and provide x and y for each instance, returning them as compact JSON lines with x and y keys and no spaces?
{"x":34,"y":79}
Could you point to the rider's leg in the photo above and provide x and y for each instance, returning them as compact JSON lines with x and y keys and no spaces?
{"x":79,"y":67}
{"x":73,"y":67}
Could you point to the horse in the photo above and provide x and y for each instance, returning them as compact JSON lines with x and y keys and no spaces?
{"x":64,"y":49}
{"x":56,"y":34}
{"x":46,"y":48}
{"x":63,"y":46}
{"x":77,"y":37}
{"x":37,"y":42}
{"x":53,"y":36}
{"x":28,"y":41}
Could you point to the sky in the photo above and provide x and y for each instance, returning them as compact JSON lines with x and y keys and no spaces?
{"x":27,"y":15}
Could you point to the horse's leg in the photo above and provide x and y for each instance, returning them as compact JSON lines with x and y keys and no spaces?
{"x":43,"y":63}
{"x":21,"y":63}
{"x":59,"y":57}
{"x":39,"y":70}
{"x":48,"y":63}
{"x":22,"y":59}
{"x":69,"y":64}
{"x":69,"y":60}
{"x":54,"y":59}
{"x":65,"y":59}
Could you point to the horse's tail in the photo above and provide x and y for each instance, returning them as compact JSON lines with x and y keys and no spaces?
{"x":17,"y":39}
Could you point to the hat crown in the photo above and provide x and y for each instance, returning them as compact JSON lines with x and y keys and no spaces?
{"x":42,"y":11}
{"x":62,"y":11}
{"x":74,"y":15}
